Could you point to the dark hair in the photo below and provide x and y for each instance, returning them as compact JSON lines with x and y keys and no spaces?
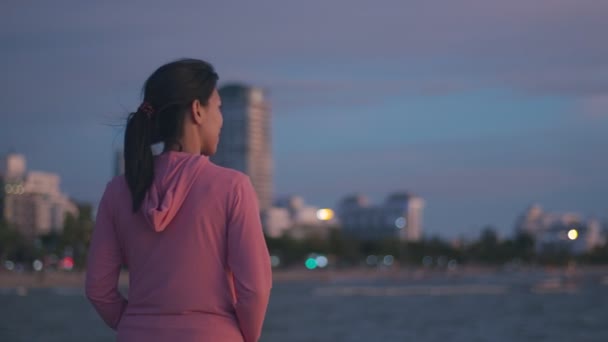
{"x":167,"y":95}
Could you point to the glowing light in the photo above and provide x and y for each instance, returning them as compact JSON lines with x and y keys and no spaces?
{"x":388,"y":260}
{"x":275,"y":261}
{"x":325,"y":214}
{"x":400,"y":222}
{"x":9,"y":265}
{"x":67,"y":263}
{"x":321,"y":261}
{"x":37,"y":265}
{"x":572,"y":234}
{"x":311,"y":263}
{"x":8,"y":188}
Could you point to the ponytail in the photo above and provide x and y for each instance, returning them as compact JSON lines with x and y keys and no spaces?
{"x":139,"y":161}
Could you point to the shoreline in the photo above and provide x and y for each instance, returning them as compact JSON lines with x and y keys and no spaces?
{"x":12,"y":280}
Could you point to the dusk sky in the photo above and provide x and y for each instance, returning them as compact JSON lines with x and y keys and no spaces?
{"x":481,"y":107}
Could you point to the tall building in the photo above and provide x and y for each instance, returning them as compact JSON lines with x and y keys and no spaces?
{"x":12,"y":171}
{"x":13,"y":167}
{"x":32,"y":201}
{"x":400,"y":216}
{"x":404,"y":211}
{"x":245,"y":140}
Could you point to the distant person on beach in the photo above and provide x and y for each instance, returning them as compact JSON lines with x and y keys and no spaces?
{"x":188,"y":230}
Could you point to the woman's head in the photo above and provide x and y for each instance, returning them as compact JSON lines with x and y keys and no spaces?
{"x":180,"y":108}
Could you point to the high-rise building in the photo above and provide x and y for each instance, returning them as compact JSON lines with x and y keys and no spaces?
{"x":32,"y":201}
{"x":404,"y":211}
{"x":400,"y":216}
{"x":245,"y":140}
{"x":12,"y":171}
{"x":13,"y":167}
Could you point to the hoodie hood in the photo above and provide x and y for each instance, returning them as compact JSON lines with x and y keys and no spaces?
{"x":174,"y":175}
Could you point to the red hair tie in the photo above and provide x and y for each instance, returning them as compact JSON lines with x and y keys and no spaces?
{"x":147,"y":109}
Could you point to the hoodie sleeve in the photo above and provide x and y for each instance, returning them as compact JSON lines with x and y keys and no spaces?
{"x":248,"y":260}
{"x":103,"y":267}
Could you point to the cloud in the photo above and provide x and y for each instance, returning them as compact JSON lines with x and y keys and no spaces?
{"x":307,"y":53}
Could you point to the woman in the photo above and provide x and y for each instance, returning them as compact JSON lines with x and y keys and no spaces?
{"x":188,"y":230}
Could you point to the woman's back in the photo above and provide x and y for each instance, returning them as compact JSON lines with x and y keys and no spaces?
{"x":195,"y":253}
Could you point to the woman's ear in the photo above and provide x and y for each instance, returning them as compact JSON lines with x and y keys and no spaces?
{"x":197,"y":111}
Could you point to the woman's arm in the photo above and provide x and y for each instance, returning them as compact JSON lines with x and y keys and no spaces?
{"x":248,"y":260}
{"x":103,"y":267}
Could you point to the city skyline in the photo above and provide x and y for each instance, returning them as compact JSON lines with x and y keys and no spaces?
{"x":481,"y":108}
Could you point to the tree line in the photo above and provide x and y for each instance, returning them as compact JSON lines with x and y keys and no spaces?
{"x":342,"y":250}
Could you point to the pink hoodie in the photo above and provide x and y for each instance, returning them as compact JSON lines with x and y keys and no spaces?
{"x":199,"y":269}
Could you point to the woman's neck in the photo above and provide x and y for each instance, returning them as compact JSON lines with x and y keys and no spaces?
{"x":183,"y":146}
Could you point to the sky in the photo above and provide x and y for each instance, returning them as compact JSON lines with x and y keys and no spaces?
{"x":480,"y":107}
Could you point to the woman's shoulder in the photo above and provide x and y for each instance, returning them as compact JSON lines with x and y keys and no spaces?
{"x":227,"y":175}
{"x":227,"y":180}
